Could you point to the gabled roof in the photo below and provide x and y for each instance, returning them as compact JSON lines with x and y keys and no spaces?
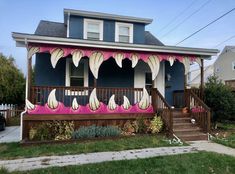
{"x":56,"y":29}
{"x":100,"y":15}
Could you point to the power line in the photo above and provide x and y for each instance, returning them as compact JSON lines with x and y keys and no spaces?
{"x":224,"y":41}
{"x":176,"y":17}
{"x":185,"y":19}
{"x":205,"y":26}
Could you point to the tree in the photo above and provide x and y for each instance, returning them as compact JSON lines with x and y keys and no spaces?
{"x":12,"y":81}
{"x":220,"y":99}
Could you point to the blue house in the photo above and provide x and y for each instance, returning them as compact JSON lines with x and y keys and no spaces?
{"x":98,"y":68}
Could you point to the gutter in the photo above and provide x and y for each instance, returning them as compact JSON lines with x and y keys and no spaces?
{"x":20,"y":37}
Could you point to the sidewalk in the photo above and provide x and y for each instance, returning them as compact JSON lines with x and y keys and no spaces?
{"x":10,"y":134}
{"x":51,"y":161}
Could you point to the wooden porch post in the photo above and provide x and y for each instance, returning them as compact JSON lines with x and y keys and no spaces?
{"x":29,"y":77}
{"x":202,"y":79}
{"x":153,"y":95}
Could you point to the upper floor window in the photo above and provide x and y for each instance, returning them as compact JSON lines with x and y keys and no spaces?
{"x":124,"y":32}
{"x":93,"y":29}
{"x":233,"y":65}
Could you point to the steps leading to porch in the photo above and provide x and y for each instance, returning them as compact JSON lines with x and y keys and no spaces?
{"x":184,"y":129}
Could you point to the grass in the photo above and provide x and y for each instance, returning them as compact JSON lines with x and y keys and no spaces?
{"x":227,"y":141}
{"x":15,"y":150}
{"x":194,"y":163}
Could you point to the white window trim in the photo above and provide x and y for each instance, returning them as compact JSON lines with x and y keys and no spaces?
{"x":101,"y":26}
{"x":67,"y":78}
{"x":233,"y":64}
{"x":130,"y":26}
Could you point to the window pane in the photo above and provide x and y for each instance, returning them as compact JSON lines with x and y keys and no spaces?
{"x":77,"y":71}
{"x":124,"y":39}
{"x":93,"y":36}
{"x":148,"y":80}
{"x":76,"y":81}
{"x":93,"y":27}
{"x":124,"y":30}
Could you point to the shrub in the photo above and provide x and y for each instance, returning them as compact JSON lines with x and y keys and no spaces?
{"x":56,"y":130}
{"x":96,"y":131}
{"x":156,"y":124}
{"x":220,"y":99}
{"x":143,"y":125}
{"x":130,"y":128}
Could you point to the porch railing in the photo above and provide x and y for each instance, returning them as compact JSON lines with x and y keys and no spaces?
{"x":39,"y":94}
{"x":199,"y":110}
{"x":161,"y":106}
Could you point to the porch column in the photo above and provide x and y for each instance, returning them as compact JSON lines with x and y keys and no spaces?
{"x":202,"y":78}
{"x":29,"y":77}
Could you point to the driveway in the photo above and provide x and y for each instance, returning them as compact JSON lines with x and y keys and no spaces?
{"x":10,"y":134}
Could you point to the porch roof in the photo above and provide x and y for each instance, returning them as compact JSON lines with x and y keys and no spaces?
{"x":22,"y":39}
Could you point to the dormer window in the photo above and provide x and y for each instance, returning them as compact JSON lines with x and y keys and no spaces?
{"x":93,"y":29}
{"x":124,"y":32}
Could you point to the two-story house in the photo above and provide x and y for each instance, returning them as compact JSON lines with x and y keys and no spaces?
{"x":98,"y":68}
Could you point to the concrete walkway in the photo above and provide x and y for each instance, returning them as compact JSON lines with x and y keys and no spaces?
{"x":51,"y":161}
{"x":213,"y":147}
{"x":10,"y":134}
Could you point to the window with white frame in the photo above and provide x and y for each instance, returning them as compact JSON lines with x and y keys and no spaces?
{"x":93,"y":29}
{"x":123,"y":32}
{"x":233,"y":65}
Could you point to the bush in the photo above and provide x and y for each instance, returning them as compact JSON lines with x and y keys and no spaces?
{"x":156,"y":124}
{"x":130,"y":127}
{"x":56,"y":130}
{"x":96,"y":131}
{"x":220,"y":99}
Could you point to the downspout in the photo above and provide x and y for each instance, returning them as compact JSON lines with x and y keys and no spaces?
{"x":68,"y":24}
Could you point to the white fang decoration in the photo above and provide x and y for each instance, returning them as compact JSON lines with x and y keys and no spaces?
{"x":112,"y":105}
{"x":171,"y":60}
{"x":154,"y":65}
{"x":186,"y":63}
{"x":76,"y":57}
{"x":126,"y":103}
{"x":55,"y":56}
{"x":32,"y":51}
{"x":95,"y":61}
{"x":93,"y":101}
{"x":29,"y":105}
{"x":144,"y":102}
{"x":118,"y":58}
{"x":198,"y":60}
{"x":52,"y":102}
{"x":75,"y":105}
{"x":134,"y":60}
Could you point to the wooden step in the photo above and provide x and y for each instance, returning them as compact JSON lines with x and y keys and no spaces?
{"x":193,"y":137}
{"x":183,"y":125}
{"x":182,"y":120}
{"x":180,"y":115}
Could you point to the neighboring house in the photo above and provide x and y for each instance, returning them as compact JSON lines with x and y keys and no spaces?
{"x":194,"y":76}
{"x":98,"y":68}
{"x":224,"y":66}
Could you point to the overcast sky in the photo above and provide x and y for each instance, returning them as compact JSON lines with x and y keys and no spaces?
{"x":190,"y":15}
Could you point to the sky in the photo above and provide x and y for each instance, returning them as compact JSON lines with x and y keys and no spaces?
{"x":173,"y":20}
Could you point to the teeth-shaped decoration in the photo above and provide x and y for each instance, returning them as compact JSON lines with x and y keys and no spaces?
{"x":134,"y":60}
{"x":95,"y":61}
{"x":118,"y":58}
{"x":93,"y":101}
{"x":56,"y":55}
{"x":52,"y":102}
{"x":198,"y":60}
{"x":171,"y":60}
{"x":32,"y":51}
{"x":126,"y":103}
{"x":76,"y":57}
{"x":186,"y":63}
{"x":154,"y":65}
{"x":29,"y":105}
{"x":144,"y":102}
{"x":112,"y":104}
{"x":75,"y":105}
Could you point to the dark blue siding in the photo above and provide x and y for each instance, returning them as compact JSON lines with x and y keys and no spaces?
{"x":177,"y":79}
{"x":45,"y":75}
{"x":109,"y":31}
{"x":76,"y":27}
{"x":138,"y":33}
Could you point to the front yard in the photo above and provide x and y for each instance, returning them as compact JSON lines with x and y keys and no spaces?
{"x":15,"y":150}
{"x":193,"y":163}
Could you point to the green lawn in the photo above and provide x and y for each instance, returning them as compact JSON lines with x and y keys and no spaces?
{"x":195,"y":163}
{"x":15,"y":150}
{"x":227,"y":141}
